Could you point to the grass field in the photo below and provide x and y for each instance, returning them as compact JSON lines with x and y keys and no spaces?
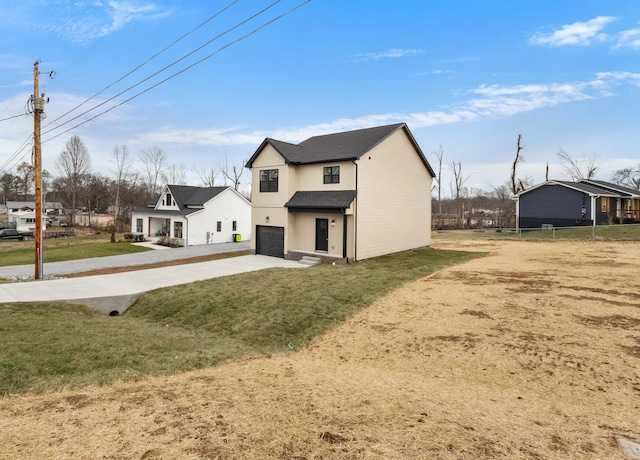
{"x":48,"y":347}
{"x":600,"y":232}
{"x":82,"y":246}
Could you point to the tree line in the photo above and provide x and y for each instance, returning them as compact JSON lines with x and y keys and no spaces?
{"x":498,"y":205}
{"x":129,"y":182}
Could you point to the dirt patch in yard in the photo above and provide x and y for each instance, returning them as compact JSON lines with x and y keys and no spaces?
{"x":530,"y":353}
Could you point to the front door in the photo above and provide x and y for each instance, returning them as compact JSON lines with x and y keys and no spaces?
{"x":322,"y":234}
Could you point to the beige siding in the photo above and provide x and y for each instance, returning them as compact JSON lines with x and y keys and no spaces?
{"x":269,"y":158}
{"x":310,"y":177}
{"x":394,"y":199}
{"x":267,"y":208}
{"x":302,"y":234}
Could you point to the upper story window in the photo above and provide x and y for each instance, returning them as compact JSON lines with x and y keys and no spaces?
{"x":269,"y":180}
{"x":167,"y":200}
{"x":331,"y":174}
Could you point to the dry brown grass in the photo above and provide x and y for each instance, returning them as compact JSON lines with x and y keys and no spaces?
{"x":531,"y":353}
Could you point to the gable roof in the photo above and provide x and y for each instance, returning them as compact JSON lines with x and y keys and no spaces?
{"x":344,"y":146}
{"x":32,"y":204}
{"x":188,"y":196}
{"x":621,"y":189}
{"x":590,"y":187}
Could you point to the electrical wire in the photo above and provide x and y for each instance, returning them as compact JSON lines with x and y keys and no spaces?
{"x":146,"y":62}
{"x":264,"y":10}
{"x":14,"y":157}
{"x":13,"y":117}
{"x":179,"y":72}
{"x":27,"y":142}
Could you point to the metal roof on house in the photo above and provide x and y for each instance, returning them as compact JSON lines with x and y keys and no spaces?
{"x":344,"y":146}
{"x":326,"y":199}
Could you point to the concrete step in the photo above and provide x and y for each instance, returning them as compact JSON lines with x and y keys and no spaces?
{"x":310,"y":260}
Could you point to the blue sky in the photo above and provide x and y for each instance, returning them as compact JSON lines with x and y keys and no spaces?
{"x":465,"y":75}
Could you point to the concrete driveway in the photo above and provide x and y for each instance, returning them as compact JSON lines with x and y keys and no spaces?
{"x":113,"y":294}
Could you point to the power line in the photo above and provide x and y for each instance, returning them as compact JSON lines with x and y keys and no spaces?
{"x":13,"y":117}
{"x":158,"y":72}
{"x":145,"y":62}
{"x":175,"y":74}
{"x":14,"y":157}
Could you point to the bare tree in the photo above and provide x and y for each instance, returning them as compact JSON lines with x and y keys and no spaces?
{"x":121,"y":172}
{"x":503,"y":196}
{"x":10,"y":186}
{"x":517,"y":184}
{"x":577,"y":169}
{"x":232,"y":174}
{"x":438,"y":185}
{"x":457,"y":188}
{"x":174,"y":175}
{"x":629,"y":177}
{"x":154,"y":162}
{"x":72,"y":164}
{"x":27,"y":175}
{"x":208,"y":177}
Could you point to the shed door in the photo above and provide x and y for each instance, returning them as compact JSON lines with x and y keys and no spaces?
{"x":270,"y":241}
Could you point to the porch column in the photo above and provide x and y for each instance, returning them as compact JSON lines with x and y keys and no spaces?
{"x":344,"y":235}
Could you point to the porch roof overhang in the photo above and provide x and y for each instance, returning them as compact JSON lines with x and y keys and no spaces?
{"x":329,"y":201}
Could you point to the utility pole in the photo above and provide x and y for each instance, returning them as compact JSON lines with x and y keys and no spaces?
{"x":38,"y":112}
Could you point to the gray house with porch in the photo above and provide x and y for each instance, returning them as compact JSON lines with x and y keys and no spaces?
{"x":586,"y":202}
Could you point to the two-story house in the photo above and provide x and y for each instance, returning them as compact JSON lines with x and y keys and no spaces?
{"x":345,"y":196}
{"x":195,"y":215}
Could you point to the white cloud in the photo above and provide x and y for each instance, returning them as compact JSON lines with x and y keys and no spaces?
{"x":490,"y":101}
{"x":85,"y":21}
{"x":578,"y":33}
{"x":391,"y":54}
{"x":628,"y":39}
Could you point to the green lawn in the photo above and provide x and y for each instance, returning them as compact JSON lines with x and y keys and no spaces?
{"x":175,"y":329}
{"x":24,"y":254}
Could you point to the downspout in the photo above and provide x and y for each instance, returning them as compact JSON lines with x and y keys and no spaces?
{"x":355,"y":218}
{"x":594,"y":199}
{"x":344,"y":234}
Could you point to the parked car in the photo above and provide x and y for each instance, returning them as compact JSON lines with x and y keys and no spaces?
{"x":12,"y":234}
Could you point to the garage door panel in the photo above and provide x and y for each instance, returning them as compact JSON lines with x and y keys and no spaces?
{"x":270,"y":241}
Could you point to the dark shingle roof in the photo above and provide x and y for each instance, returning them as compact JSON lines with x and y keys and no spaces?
{"x":328,"y":199}
{"x":587,"y":188}
{"x":615,"y":188}
{"x":591,"y":187}
{"x":188,"y":196}
{"x":345,"y":146}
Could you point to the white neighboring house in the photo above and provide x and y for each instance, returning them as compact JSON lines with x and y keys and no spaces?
{"x":49,"y":207}
{"x":195,"y":215}
{"x":25,"y":221}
